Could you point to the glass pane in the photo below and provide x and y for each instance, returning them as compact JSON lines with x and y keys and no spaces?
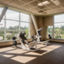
{"x":59,"y":18}
{"x":10,"y":14}
{"x":25,"y":27}
{"x":59,"y":31}
{"x":10,"y":34}
{"x":2,"y":30}
{"x":12,"y":25}
{"x":59,"y":26}
{"x":12,"y":29}
{"x":24,"y":17}
{"x":1,"y":10}
{"x":49,"y":30}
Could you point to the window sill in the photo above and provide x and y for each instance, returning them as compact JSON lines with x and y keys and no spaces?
{"x":57,"y":40}
{"x":54,"y":39}
{"x":6,"y":40}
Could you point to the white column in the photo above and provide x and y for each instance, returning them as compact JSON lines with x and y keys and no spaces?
{"x":34,"y":22}
{"x":36,"y":27}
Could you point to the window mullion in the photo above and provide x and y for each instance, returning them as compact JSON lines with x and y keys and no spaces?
{"x":19,"y":21}
{"x":5,"y":28}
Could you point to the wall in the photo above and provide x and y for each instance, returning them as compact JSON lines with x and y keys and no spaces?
{"x":6,"y":43}
{"x":57,"y":40}
{"x":49,"y":20}
{"x":42,"y":22}
{"x":32,"y":28}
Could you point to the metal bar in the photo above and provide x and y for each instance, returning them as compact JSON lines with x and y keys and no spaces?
{"x":16,"y":20}
{"x":19,"y":21}
{"x":53,"y":29}
{"x":3,"y":13}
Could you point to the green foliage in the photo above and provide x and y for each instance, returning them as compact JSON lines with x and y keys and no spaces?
{"x":12,"y":31}
{"x":59,"y":32}
{"x":26,"y":30}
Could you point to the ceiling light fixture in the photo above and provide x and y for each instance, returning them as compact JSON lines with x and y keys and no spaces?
{"x":43,"y":3}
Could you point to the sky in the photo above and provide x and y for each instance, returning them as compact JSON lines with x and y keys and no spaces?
{"x":59,"y":18}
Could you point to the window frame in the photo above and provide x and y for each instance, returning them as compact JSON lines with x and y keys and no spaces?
{"x":55,"y":27}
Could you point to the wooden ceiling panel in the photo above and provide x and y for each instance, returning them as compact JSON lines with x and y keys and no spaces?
{"x":26,"y":1}
{"x":62,"y":2}
{"x":32,"y":6}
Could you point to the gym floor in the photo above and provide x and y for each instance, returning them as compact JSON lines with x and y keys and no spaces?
{"x":51,"y":54}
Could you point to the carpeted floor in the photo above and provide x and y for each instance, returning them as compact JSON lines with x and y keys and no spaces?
{"x":51,"y":54}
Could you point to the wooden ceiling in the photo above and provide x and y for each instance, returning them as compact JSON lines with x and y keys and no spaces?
{"x":31,"y":6}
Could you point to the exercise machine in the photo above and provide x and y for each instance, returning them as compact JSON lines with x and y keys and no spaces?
{"x":27,"y":45}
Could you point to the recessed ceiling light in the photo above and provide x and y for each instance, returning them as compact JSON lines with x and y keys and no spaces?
{"x":43,"y":3}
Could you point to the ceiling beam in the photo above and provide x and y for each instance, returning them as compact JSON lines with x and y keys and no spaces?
{"x":29,"y":3}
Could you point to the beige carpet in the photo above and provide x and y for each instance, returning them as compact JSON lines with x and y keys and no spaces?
{"x":51,"y":54}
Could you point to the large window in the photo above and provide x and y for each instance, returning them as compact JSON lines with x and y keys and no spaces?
{"x":13,"y":23}
{"x":59,"y":26}
{"x":57,"y":30}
